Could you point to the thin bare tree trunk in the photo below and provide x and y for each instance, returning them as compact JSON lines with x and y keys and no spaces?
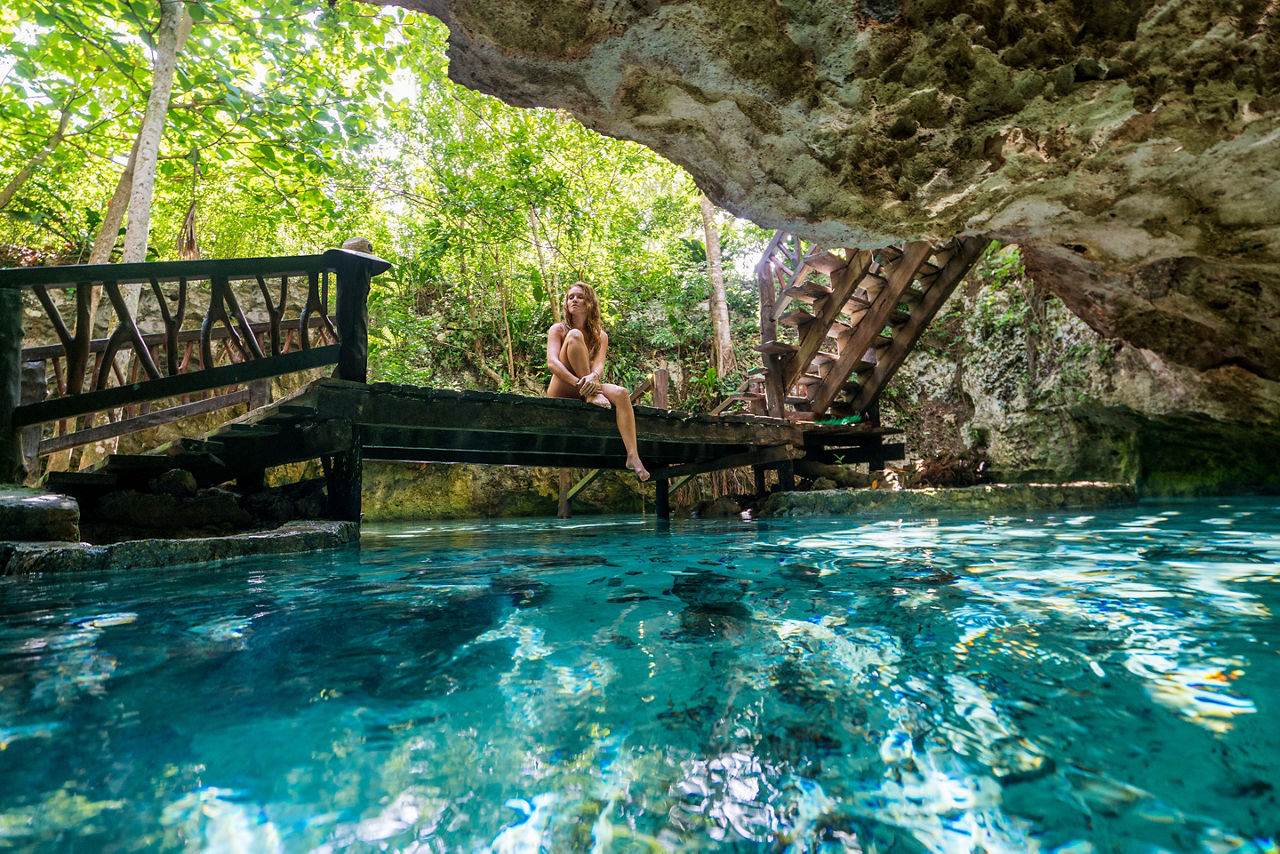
{"x":171,"y":32}
{"x":506,"y":322}
{"x":25,"y":173}
{"x":109,"y":231}
{"x":725,"y":362}
{"x":547,"y":280}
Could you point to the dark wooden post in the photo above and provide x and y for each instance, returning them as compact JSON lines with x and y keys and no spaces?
{"x":775,"y":394}
{"x":354,"y":270}
{"x":661,"y":384}
{"x":787,"y":476}
{"x":35,"y":388}
{"x":12,"y":469}
{"x":662,"y":498}
{"x":345,"y":480}
{"x":758,"y":471}
{"x":259,"y":394}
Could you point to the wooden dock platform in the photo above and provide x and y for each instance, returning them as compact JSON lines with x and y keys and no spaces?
{"x":344,"y":423}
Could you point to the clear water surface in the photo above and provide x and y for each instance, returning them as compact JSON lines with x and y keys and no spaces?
{"x":1076,"y":682}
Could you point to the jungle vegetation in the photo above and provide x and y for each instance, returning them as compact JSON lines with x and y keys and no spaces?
{"x":163,"y":129}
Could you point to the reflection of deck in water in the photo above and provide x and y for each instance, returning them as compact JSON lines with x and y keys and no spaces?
{"x":344,"y":423}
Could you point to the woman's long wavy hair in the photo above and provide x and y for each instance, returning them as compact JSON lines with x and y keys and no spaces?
{"x":594,"y":324}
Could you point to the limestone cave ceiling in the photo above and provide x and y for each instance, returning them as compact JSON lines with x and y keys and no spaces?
{"x":1131,"y":148}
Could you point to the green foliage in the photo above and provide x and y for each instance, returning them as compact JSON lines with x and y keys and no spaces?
{"x":293,"y":126}
{"x":1005,"y":304}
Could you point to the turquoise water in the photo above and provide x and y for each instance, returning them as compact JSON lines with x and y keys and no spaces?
{"x":1077,"y":682}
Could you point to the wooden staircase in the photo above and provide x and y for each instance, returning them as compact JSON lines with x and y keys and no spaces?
{"x":836,"y":324}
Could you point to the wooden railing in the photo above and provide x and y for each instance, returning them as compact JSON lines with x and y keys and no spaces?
{"x":258,"y":318}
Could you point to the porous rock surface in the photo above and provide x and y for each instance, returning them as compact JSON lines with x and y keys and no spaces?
{"x":1131,"y":148}
{"x":24,"y":558}
{"x":32,"y":514}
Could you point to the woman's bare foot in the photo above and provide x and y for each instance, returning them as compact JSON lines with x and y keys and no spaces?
{"x":601,"y":401}
{"x":636,"y":466}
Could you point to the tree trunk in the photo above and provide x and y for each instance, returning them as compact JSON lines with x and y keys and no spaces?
{"x":506,"y":322}
{"x":109,"y":232}
{"x":547,"y":281}
{"x":55,"y":139}
{"x":174,"y":25}
{"x":170,"y":34}
{"x":725,"y":362}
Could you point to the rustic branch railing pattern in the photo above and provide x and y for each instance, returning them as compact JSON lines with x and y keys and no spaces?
{"x":243,"y":336}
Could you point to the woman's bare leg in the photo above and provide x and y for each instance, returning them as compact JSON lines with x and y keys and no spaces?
{"x":576,"y":357}
{"x":621,"y":400}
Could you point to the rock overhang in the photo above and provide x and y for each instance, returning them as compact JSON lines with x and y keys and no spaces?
{"x":1133,"y":149}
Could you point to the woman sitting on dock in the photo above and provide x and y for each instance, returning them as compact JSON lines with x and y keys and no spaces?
{"x":576,"y":349}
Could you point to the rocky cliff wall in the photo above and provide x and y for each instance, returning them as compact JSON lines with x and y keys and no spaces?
{"x":1009,"y":370}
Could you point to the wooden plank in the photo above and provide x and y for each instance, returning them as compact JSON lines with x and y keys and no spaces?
{"x":142,"y":422}
{"x":94,"y":401}
{"x":900,"y":276}
{"x":892,"y":356}
{"x":586,"y":481}
{"x":797,"y":318}
{"x":764,"y":456}
{"x":70,"y":275}
{"x":438,"y":409}
{"x":435,"y":456}
{"x":824,"y":261}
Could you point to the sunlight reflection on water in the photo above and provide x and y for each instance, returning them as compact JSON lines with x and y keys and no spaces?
{"x":1081,"y":682}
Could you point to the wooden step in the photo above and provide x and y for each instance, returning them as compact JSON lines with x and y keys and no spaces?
{"x":807,"y":290}
{"x":821,"y":358}
{"x":775,"y":347}
{"x":259,"y":430}
{"x":824,"y":262}
{"x":796,"y":318}
{"x":128,"y":463}
{"x":792,"y":400}
{"x":808,"y":379}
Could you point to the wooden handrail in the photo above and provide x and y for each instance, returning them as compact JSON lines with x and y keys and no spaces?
{"x":224,"y":320}
{"x":71,"y":275}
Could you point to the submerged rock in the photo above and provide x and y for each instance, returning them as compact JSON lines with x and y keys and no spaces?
{"x":984,"y":499}
{"x":710,"y":592}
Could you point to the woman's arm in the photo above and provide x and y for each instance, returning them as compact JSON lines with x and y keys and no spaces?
{"x":590,"y":384}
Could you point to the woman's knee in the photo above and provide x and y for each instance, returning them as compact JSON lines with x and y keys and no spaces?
{"x":574,"y":336}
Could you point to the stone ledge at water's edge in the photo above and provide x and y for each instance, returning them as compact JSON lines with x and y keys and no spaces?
{"x":986,"y":499}
{"x":19,"y":558}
